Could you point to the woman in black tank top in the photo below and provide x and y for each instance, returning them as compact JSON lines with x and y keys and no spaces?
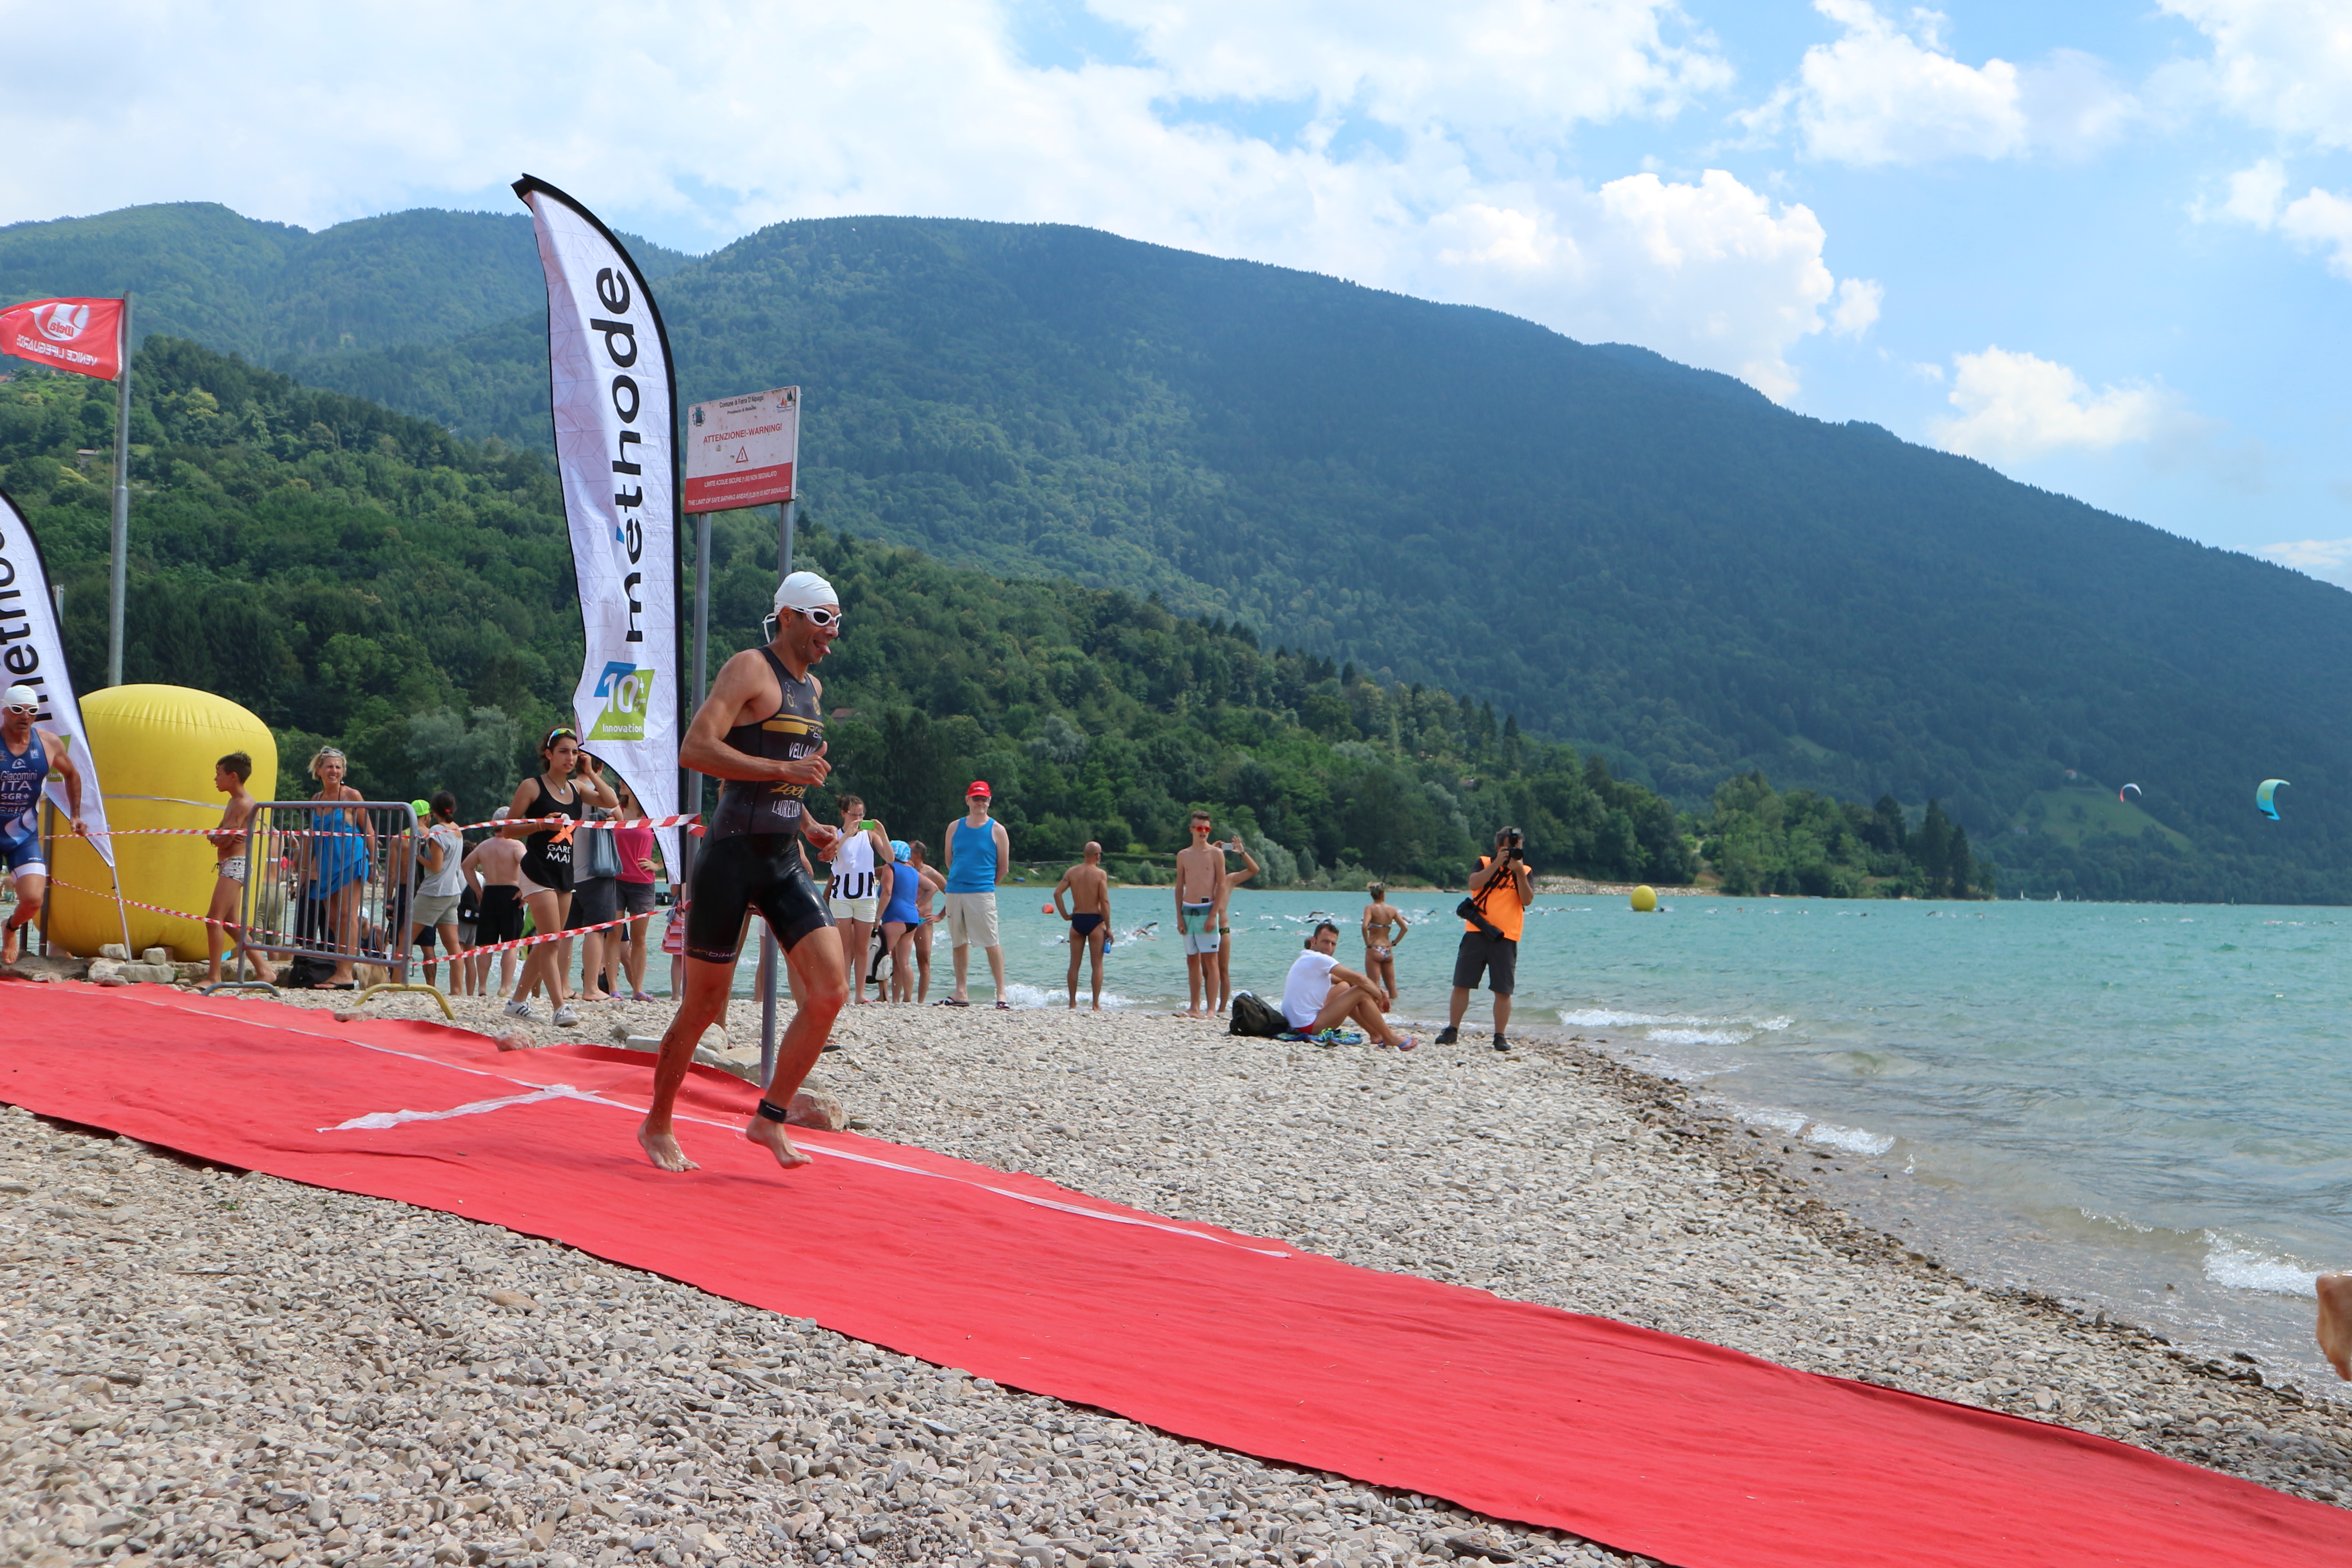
{"x":569,"y":775}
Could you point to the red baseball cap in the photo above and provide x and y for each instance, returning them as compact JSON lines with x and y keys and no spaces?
{"x":979,"y":788}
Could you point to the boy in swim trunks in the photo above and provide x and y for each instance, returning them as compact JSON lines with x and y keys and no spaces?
{"x":1199,"y":877}
{"x":229,"y":776}
{"x":1089,"y":914}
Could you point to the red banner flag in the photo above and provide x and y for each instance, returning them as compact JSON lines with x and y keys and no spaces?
{"x":84,"y":336}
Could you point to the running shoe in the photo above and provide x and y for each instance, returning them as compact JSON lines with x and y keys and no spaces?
{"x":565,"y":1017}
{"x":1445,"y":1035}
{"x":1501,"y":1044}
{"x":518,"y":1009}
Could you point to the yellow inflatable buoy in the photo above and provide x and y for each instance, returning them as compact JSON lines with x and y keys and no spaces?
{"x":1645,"y":900}
{"x":153,"y":747}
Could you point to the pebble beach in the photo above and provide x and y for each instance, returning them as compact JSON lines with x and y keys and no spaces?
{"x":217,"y":1367}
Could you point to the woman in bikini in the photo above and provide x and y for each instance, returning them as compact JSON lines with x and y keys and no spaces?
{"x":1379,"y":946}
{"x":546,"y":876}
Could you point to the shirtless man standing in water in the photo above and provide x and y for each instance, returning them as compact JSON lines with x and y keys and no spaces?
{"x":760,"y":733}
{"x":1089,"y":914}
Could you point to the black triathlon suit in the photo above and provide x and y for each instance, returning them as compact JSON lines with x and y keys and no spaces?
{"x":750,"y":857}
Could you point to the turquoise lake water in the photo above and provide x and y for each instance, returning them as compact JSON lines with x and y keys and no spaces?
{"x":2145,"y":1108}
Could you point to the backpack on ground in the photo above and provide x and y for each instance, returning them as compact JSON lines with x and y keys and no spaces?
{"x":306,"y":972}
{"x":1256,"y":1018}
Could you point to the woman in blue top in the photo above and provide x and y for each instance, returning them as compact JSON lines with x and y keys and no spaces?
{"x":335,"y":859}
{"x":901,"y":916}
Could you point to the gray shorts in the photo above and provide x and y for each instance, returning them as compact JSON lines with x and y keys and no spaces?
{"x":434,"y":910}
{"x":636,"y":898}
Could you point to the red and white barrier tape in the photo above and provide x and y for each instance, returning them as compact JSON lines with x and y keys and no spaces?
{"x":251,"y":931}
{"x":578,"y":826}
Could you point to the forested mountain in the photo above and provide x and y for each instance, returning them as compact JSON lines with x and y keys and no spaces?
{"x":270,"y":290}
{"x":363,"y":577}
{"x":1652,"y":561}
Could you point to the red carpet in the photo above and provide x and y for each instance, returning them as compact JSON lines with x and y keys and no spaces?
{"x":1684,"y":1451}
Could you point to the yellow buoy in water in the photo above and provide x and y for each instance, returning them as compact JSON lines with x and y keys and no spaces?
{"x":154,"y":747}
{"x":1645,"y":900}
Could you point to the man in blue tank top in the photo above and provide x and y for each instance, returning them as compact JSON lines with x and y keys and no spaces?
{"x":26,"y":756}
{"x":978,"y":857}
{"x":762,"y":733}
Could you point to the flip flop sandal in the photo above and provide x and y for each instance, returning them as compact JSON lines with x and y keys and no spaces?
{"x":1004,"y":1007}
{"x":950,"y":1002}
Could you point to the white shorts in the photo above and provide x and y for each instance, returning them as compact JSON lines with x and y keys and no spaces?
{"x":233,"y":869}
{"x":854,"y":909}
{"x":971,"y":918}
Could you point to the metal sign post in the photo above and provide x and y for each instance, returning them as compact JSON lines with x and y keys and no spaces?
{"x":741,"y":452}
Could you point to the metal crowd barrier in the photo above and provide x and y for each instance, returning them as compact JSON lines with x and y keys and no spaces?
{"x":335,"y":881}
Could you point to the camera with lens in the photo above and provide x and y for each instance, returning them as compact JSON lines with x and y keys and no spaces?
{"x":1512,"y":843}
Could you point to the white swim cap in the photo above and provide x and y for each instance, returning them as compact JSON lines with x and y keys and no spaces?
{"x":500,"y":815}
{"x":805,"y":590}
{"x":20,"y":697}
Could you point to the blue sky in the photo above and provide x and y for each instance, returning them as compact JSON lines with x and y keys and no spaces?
{"x":2106,"y":248}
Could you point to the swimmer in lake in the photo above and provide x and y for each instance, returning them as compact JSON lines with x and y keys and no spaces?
{"x":1089,"y":914}
{"x":1379,"y":920}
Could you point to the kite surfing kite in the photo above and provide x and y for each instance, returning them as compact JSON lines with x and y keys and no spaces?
{"x":2262,"y":801}
{"x":2128,"y":790}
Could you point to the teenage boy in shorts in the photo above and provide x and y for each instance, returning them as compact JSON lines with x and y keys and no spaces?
{"x":229,"y":776}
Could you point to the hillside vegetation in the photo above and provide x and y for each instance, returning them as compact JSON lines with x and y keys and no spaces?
{"x":359,"y":576}
{"x":1651,"y":562}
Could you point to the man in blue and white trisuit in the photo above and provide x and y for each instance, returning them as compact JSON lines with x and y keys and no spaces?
{"x":979,"y":855}
{"x":27,"y":755}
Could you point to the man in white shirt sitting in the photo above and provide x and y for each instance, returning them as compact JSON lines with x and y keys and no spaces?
{"x":1322,"y":993}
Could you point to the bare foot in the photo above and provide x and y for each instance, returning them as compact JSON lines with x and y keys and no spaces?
{"x":662,"y":1148}
{"x":770,"y":1135}
{"x":10,"y":944}
{"x":2336,"y":1321}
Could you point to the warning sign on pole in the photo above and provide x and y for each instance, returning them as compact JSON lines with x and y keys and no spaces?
{"x":740,"y":451}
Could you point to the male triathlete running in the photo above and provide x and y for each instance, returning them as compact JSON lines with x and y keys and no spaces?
{"x":27,"y":755}
{"x":760,"y":733}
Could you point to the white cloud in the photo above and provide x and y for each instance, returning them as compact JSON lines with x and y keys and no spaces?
{"x":1532,"y":68}
{"x":2327,"y":558}
{"x":2317,"y":220}
{"x":1424,"y":149}
{"x":2017,"y":406}
{"x":2283,"y":64}
{"x":1885,"y":93}
{"x":1710,"y":273}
